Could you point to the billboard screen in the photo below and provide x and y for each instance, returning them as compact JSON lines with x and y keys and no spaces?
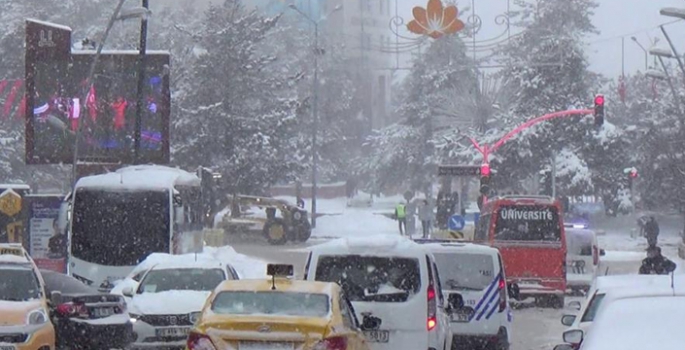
{"x":107,"y":111}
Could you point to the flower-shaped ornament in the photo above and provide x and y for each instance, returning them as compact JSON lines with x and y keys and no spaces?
{"x":435,"y":20}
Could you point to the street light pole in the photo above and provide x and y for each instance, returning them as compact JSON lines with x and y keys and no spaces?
{"x":315,"y":120}
{"x":644,"y":50}
{"x":141,"y":85}
{"x":86,"y":89}
{"x":675,"y":52}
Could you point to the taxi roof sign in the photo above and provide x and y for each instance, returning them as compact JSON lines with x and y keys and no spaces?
{"x":280,"y":270}
{"x":7,"y":250}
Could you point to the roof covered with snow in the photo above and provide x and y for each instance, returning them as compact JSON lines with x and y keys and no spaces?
{"x":621,"y":324}
{"x":202,"y":263}
{"x":459,"y":247}
{"x":375,"y":245}
{"x":16,"y":186}
{"x":141,"y":177}
{"x":49,"y":24}
{"x":120,"y":52}
{"x":629,"y":282}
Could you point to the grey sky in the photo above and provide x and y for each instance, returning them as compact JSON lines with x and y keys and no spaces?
{"x":613,"y":18}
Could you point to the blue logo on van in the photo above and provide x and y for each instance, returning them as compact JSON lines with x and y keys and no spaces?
{"x":485,"y":306}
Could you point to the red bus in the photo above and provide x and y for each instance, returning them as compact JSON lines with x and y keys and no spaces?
{"x":529,"y":232}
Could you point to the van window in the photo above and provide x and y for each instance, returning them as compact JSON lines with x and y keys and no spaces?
{"x":370,"y":278}
{"x":465,"y":271}
{"x":592,"y":308}
{"x":527,"y":223}
{"x":579,"y":243}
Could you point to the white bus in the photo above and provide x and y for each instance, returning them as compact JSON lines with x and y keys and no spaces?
{"x":119,"y":218}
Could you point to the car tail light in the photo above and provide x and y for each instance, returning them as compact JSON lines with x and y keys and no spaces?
{"x":595,"y":255}
{"x":197,"y":341}
{"x":73,"y":310}
{"x":432,"y":308}
{"x":502,"y":294}
{"x":333,"y":343}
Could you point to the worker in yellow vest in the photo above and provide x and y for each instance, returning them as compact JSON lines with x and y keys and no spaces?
{"x":401,"y":215}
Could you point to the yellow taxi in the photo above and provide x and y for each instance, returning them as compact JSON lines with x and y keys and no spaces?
{"x":24,"y":315}
{"x":278,"y":313}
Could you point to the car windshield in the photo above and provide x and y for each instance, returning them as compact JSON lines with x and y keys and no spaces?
{"x":19,"y":285}
{"x":592,"y":308}
{"x":271,"y":303}
{"x":465,"y":271}
{"x":163,"y":280}
{"x":528,"y":223}
{"x":367,"y":278}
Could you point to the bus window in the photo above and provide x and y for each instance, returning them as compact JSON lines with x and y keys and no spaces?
{"x":527,"y":223}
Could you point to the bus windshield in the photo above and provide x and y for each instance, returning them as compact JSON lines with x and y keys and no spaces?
{"x":119,"y":228}
{"x":528,"y":223}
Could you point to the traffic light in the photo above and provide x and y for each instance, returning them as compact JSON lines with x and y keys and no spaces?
{"x":599,"y":110}
{"x":485,"y":179}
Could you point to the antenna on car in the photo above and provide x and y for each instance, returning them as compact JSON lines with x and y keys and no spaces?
{"x":606,"y":273}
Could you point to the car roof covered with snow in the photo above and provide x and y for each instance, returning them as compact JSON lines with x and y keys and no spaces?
{"x":140,"y":177}
{"x":374,"y":245}
{"x":14,"y":254}
{"x":175,"y":264}
{"x":15,"y":186}
{"x":437,"y":246}
{"x":282,"y":285}
{"x":620,"y":323}
{"x":603,"y":283}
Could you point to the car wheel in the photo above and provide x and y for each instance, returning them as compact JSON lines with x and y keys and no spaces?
{"x":303,"y":232}
{"x":275,"y":232}
{"x":557,"y":302}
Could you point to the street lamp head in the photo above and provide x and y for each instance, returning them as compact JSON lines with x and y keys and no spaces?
{"x":292,"y":6}
{"x":633,"y":38}
{"x":656,"y":74}
{"x":673,"y":12}
{"x":660,"y":52}
{"x":134,"y":12}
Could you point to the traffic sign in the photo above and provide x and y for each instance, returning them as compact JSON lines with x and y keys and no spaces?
{"x":456,"y":223}
{"x":458,"y":170}
{"x":10,"y":203}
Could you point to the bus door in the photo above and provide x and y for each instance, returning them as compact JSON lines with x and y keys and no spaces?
{"x":531,"y":240}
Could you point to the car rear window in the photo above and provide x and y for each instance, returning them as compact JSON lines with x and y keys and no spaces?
{"x":465,"y":271}
{"x":271,"y":303}
{"x":579,"y":243}
{"x":527,"y":223}
{"x":372,"y":279}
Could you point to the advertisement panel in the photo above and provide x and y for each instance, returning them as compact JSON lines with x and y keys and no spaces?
{"x":59,"y":98}
{"x":47,"y":242}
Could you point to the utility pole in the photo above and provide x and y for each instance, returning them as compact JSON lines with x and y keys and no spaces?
{"x":141,"y":85}
{"x":315,"y":120}
{"x":675,"y":52}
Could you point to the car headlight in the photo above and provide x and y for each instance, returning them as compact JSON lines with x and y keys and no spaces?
{"x":194,"y":317}
{"x":37,"y":317}
{"x":134,"y":317}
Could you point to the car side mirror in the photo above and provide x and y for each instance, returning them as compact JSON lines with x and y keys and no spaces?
{"x":514,"y":291}
{"x":56,"y":298}
{"x":370,"y":322}
{"x":574,"y":336}
{"x":455,"y":301}
{"x":127,"y":292}
{"x":567,"y":320}
{"x":564,"y":347}
{"x":574,"y":305}
{"x":602,"y":252}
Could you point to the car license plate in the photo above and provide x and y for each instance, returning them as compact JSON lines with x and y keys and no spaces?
{"x":377,"y":336}
{"x":103,"y":312}
{"x":172,"y":332}
{"x":263,"y":345}
{"x":460,"y":317}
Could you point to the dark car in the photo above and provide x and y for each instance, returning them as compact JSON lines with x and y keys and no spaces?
{"x":85,"y":318}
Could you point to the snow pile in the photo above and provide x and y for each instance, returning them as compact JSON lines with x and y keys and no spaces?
{"x":354,"y":223}
{"x":247,"y":267}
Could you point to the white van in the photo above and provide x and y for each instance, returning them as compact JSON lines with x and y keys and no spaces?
{"x":582,"y":259}
{"x":394,"y":287}
{"x":476,"y":273}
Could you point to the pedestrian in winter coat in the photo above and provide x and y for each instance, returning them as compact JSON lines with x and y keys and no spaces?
{"x":656,"y":264}
{"x":651,"y":231}
{"x":401,"y":216}
{"x":426,"y":216}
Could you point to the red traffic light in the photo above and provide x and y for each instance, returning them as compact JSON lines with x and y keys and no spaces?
{"x":599,"y":100}
{"x":485,"y":170}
